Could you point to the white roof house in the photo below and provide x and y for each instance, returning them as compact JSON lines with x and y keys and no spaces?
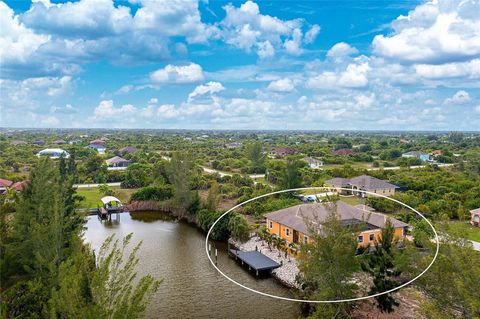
{"x":53,"y":153}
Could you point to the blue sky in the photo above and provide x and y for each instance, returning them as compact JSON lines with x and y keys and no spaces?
{"x":375,"y":65}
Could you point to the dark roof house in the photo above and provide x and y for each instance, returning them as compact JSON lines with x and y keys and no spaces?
{"x":284,"y":151}
{"x":128,"y":150}
{"x":343,"y":152}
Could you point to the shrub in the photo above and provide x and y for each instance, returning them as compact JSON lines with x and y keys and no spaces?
{"x":157,"y":193}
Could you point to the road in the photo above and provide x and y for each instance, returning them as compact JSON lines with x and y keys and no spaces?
{"x":476,"y":245}
{"x":214,"y":171}
{"x":116,"y":184}
{"x":398,"y":167}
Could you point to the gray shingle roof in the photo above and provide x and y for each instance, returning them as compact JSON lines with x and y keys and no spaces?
{"x":298,"y":217}
{"x":363,"y":181}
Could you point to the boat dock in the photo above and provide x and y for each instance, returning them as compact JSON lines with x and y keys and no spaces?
{"x":255,"y":260}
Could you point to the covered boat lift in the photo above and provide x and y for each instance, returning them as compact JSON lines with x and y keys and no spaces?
{"x":255,"y":260}
{"x":111,"y":204}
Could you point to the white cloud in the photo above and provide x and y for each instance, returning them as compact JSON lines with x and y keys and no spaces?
{"x":265,"y":49}
{"x":181,"y":74}
{"x":477,"y":108}
{"x":246,"y":28}
{"x":341,"y":49}
{"x":354,"y":76}
{"x":285,"y":85}
{"x":470,"y":69}
{"x":210,"y":87}
{"x":461,"y":97}
{"x":105,"y":110}
{"x":18,"y":42}
{"x":437,"y":31}
{"x":312,"y":34}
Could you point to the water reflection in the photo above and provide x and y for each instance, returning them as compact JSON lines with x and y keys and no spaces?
{"x":174,"y":251}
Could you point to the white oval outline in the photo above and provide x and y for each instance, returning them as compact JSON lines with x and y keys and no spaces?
{"x":321,"y":301}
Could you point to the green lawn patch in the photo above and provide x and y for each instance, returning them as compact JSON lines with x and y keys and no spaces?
{"x":93,"y":196}
{"x":354,"y":200}
{"x":465,"y":229}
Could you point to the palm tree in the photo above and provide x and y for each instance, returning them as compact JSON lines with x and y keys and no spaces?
{"x":263,"y":233}
{"x":281,"y":243}
{"x":293,"y":249}
{"x":269,"y":239}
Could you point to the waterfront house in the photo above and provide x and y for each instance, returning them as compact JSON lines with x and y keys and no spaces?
{"x":422,"y":156}
{"x":475,"y":221}
{"x":343,"y":152}
{"x":363,"y":183}
{"x":312,"y":162}
{"x":98,"y":142}
{"x":293,"y":223}
{"x":117,"y":163}
{"x":53,"y":153}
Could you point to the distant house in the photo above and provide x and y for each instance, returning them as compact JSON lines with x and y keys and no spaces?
{"x":422,"y":156}
{"x":363,"y":183}
{"x":117,"y":163}
{"x":475,"y":221}
{"x":128,"y":150}
{"x":76,"y":141}
{"x":436,"y":153}
{"x":283,"y":151}
{"x":233,"y":145}
{"x":343,"y":152}
{"x":4,"y":185}
{"x":18,"y":186}
{"x":59,"y":142}
{"x":100,"y":148}
{"x":18,"y":142}
{"x":291,"y":223}
{"x":98,"y":142}
{"x":39,"y":142}
{"x":312,"y":162}
{"x":53,"y":153}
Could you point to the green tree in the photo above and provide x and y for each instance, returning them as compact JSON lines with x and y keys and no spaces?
{"x":256,"y":157}
{"x":138,"y":175}
{"x":328,"y":264}
{"x":237,"y":224}
{"x":291,"y":176}
{"x":213,"y":197}
{"x":380,"y":265}
{"x":180,"y":174}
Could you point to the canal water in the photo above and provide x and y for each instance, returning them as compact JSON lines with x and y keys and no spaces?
{"x":175,"y":252}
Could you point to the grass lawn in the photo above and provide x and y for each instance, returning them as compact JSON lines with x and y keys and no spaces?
{"x":354,"y":200}
{"x":465,"y":230}
{"x":93,"y":196}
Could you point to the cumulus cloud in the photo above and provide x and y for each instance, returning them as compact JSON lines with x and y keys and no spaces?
{"x":461,"y":97}
{"x":435,"y":32}
{"x":341,"y":49}
{"x":246,"y":28}
{"x":105,"y":110}
{"x":180,"y":74}
{"x":312,"y":34}
{"x":355,"y":75}
{"x":285,"y":85}
{"x":470,"y":69}
{"x":209,"y":88}
{"x":18,"y":42}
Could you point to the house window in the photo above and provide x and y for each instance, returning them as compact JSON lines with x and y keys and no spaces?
{"x":360,"y":239}
{"x":305,"y":239}
{"x":271,"y":225}
{"x":372,"y":237}
{"x":287,"y":231}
